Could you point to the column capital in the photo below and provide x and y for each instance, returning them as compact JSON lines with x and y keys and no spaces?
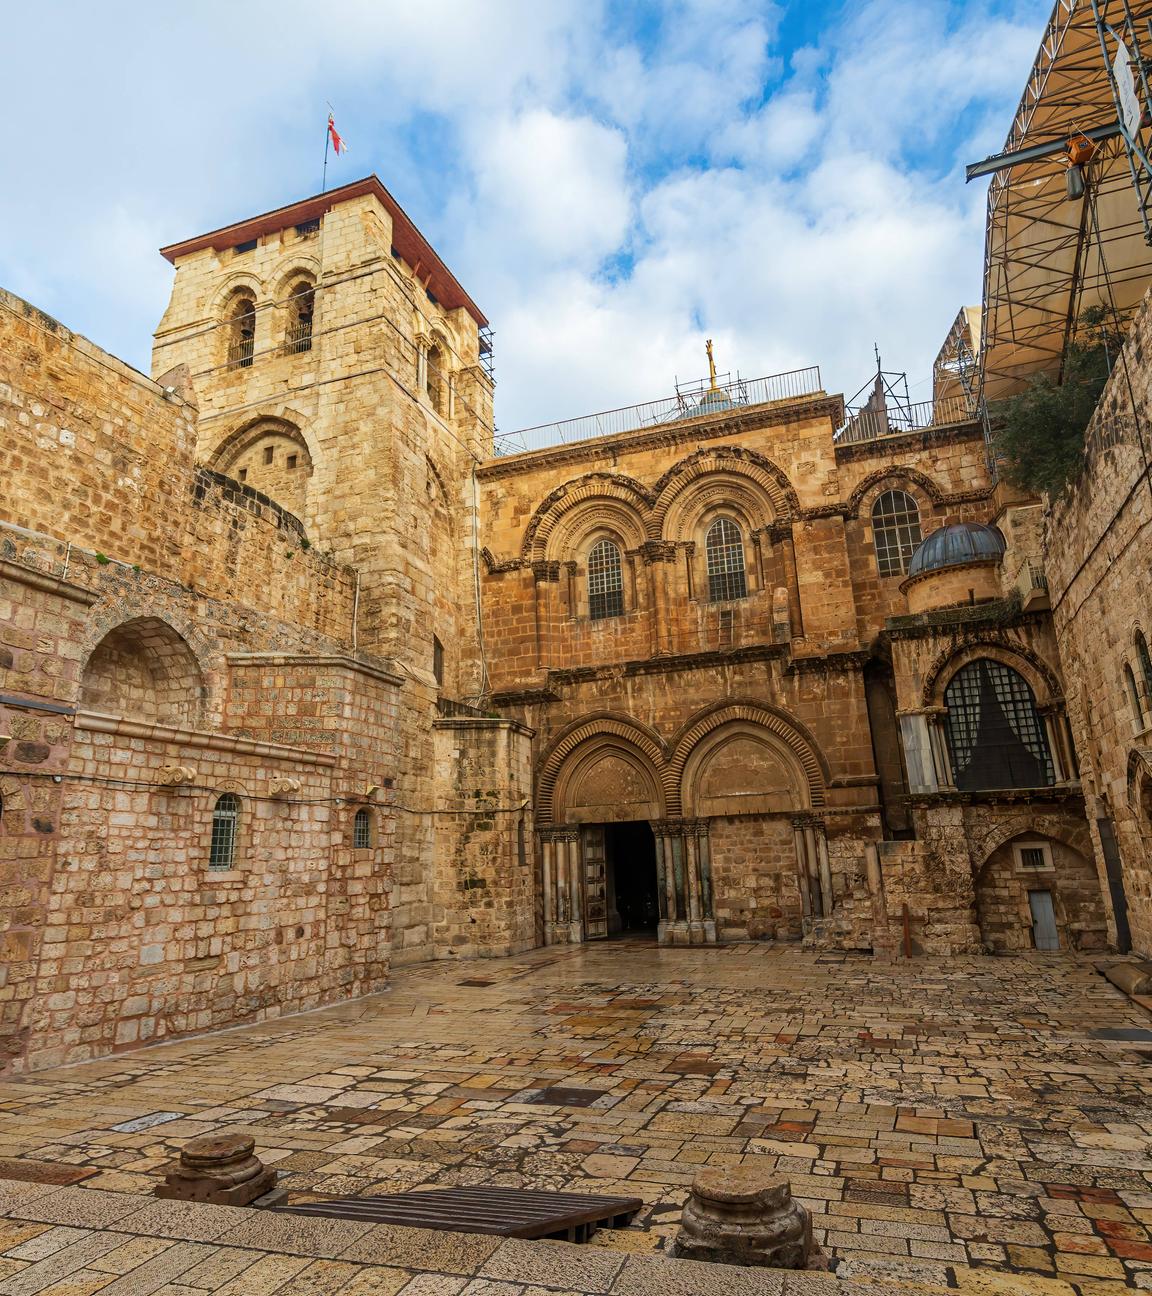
{"x":558,"y":832}
{"x":546,"y":570}
{"x":668,"y":827}
{"x":656,"y":551}
{"x":808,"y":821}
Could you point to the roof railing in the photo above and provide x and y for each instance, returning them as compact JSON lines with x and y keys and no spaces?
{"x":871,"y":423}
{"x":699,"y":400}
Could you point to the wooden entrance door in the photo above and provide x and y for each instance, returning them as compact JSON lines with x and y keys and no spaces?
{"x":1043,"y":920}
{"x":595,"y":882}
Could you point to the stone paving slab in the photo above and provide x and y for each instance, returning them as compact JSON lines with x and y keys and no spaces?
{"x":947,"y":1121}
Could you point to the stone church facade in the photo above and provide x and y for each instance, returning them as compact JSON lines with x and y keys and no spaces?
{"x":299,"y":680}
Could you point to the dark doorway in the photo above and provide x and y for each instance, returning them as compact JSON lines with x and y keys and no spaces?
{"x":633,"y":905}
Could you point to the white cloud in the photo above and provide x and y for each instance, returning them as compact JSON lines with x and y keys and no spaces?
{"x":798,"y":203}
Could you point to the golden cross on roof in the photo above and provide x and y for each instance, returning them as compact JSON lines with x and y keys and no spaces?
{"x":711,"y":365}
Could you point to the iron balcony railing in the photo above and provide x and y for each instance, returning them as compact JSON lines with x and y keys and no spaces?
{"x":897,"y":418}
{"x":697,"y":401}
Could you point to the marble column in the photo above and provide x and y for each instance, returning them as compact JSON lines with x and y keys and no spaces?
{"x":684,"y":876}
{"x":560,"y":853}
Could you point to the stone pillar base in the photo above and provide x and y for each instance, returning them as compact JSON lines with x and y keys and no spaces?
{"x":561,"y":934}
{"x":746,"y":1216}
{"x":219,"y":1168}
{"x":687,"y":933}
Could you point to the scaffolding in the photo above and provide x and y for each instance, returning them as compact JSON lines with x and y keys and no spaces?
{"x":1052,"y":253}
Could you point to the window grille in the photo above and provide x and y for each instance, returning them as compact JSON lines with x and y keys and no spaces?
{"x":1032,"y":857}
{"x":1145,"y":664}
{"x":895,"y":531}
{"x":1135,"y":698}
{"x":269,"y":454}
{"x":308,"y":227}
{"x":248,"y":246}
{"x":605,"y":581}
{"x":725,"y":551}
{"x":225,"y":820}
{"x":995,"y":735}
{"x":301,"y":308}
{"x":362,"y":830}
{"x":291,"y":461}
{"x":242,"y":338}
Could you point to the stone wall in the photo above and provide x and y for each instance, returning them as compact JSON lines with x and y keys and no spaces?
{"x":1099,"y":565}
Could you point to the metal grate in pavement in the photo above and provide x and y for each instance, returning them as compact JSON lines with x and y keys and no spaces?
{"x":505,"y":1212}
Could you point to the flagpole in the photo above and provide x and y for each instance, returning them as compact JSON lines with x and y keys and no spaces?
{"x":324,"y":181}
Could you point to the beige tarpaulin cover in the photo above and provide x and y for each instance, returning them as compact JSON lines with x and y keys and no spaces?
{"x":1044,"y":262}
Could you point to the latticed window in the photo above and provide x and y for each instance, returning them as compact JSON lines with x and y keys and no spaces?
{"x":895,"y":531}
{"x":995,"y":735}
{"x":1145,"y":665}
{"x":605,"y":581}
{"x":725,"y":551}
{"x":242,"y":332}
{"x":362,"y":830}
{"x":225,"y":821}
{"x":301,"y":307}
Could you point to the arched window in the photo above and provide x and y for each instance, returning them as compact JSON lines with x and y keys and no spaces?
{"x":225,"y":822}
{"x":995,"y":736}
{"x":362,"y":830}
{"x":605,"y":581}
{"x":895,"y":531}
{"x":436,"y":378}
{"x":242,"y":331}
{"x":1145,"y":666}
{"x":301,"y":307}
{"x":1134,"y":698}
{"x":725,"y":550}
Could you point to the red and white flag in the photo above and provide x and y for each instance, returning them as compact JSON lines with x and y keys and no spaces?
{"x":337,"y":139}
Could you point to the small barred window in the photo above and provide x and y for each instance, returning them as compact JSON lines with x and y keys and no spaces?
{"x":605,"y":581}
{"x":895,"y":531}
{"x":362,"y":830}
{"x":724,"y":547}
{"x":225,"y":821}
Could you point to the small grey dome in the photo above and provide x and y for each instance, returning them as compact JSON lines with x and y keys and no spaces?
{"x":952,"y":545}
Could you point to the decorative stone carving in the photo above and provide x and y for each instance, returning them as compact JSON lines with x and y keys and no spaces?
{"x":176,"y":775}
{"x":744,"y":1215}
{"x":221,"y":1168}
{"x":283,"y":786}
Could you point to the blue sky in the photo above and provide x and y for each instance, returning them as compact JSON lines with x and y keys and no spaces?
{"x":611,"y":182}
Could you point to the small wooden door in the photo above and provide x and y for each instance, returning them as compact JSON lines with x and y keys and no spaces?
{"x":595,"y":882}
{"x":1044,"y":933}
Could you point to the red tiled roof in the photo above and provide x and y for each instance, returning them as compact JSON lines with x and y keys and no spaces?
{"x":406,"y":238}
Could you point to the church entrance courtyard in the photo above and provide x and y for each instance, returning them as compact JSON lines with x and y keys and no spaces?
{"x":934,"y":1115}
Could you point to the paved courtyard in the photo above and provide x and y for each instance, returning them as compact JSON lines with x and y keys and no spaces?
{"x":935,"y":1116}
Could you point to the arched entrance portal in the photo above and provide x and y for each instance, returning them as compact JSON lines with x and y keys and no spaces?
{"x":601,"y":868}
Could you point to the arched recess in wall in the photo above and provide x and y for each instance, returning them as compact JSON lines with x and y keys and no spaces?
{"x":599,"y":488}
{"x":600,"y":770}
{"x":144,"y":670}
{"x":272,"y":455}
{"x":711,"y":748}
{"x":750,"y":477}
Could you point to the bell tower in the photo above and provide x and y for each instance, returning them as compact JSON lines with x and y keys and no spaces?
{"x":340,"y":368}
